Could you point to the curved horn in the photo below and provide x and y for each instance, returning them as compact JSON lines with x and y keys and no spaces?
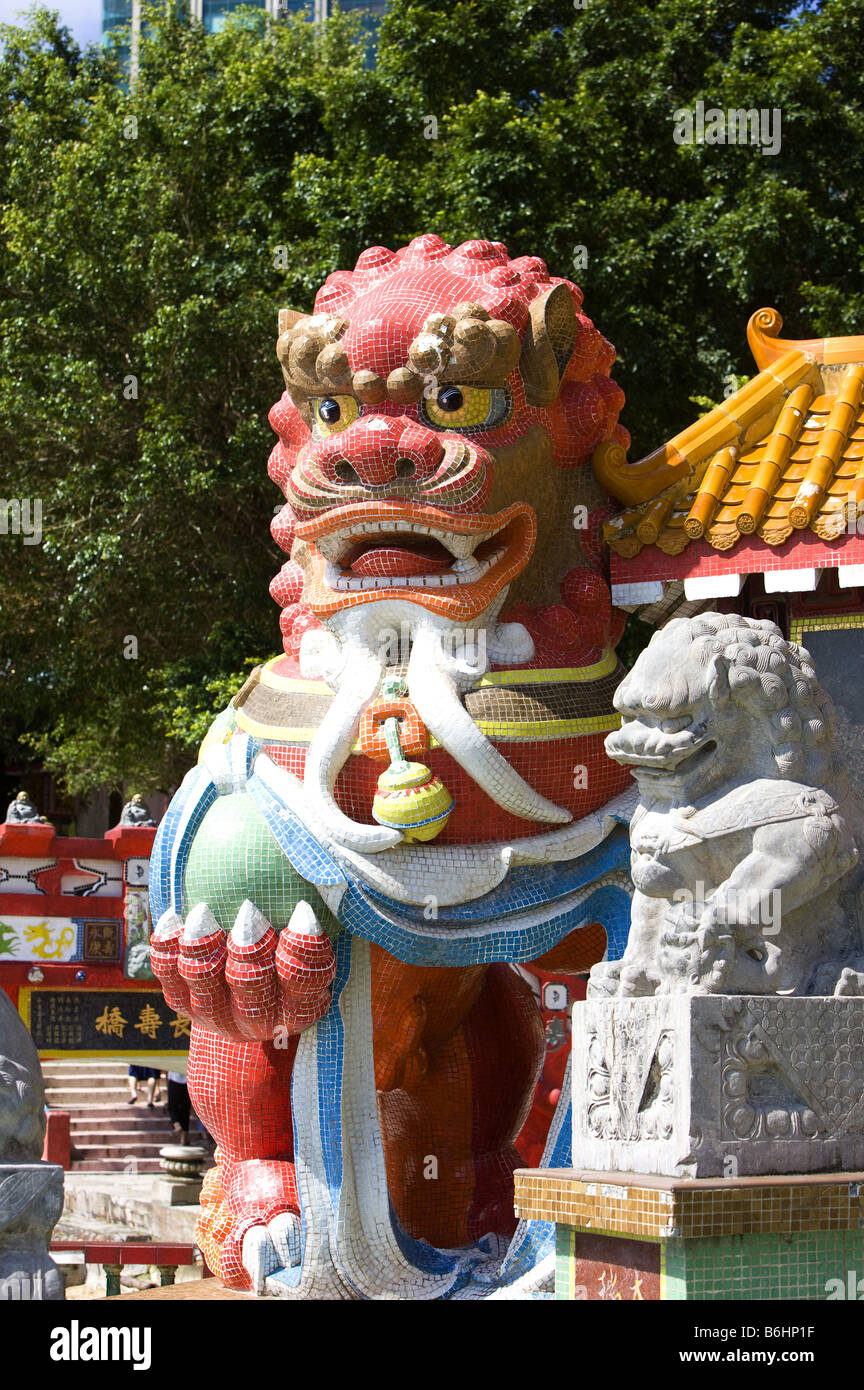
{"x":432,"y":684}
{"x":356,"y":685}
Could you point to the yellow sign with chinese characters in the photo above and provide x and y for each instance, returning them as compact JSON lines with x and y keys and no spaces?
{"x":111,"y":1022}
{"x":129,"y":1023}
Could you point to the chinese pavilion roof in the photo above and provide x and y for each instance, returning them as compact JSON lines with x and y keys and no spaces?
{"x":779,"y":464}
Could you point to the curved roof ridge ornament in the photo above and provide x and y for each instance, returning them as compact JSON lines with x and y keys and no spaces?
{"x":767,"y":347}
{"x":740,"y":420}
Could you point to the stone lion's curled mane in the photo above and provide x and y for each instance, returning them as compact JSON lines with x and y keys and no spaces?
{"x":773,"y":680}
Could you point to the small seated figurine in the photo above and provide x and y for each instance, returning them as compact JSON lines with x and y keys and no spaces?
{"x":136,"y":813}
{"x":22,"y":812}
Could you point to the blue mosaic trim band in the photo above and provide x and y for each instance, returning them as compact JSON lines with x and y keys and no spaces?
{"x":529,"y":886}
{"x":202,"y":796}
{"x":534,"y":1240}
{"x":296,"y":842}
{"x":177,"y":829}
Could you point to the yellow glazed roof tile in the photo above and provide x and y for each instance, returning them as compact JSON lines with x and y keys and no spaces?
{"x":783,"y":454}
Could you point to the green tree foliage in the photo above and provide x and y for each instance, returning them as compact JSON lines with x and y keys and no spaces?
{"x":148,"y":238}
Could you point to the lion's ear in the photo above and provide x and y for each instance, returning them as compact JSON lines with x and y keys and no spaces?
{"x":548,"y":343}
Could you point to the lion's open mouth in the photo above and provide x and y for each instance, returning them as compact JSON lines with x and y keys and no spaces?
{"x":416,"y":552}
{"x":387,"y":559}
{"x":679,"y":769}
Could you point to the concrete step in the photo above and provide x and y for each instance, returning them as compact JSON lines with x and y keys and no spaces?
{"x":81,"y":1066}
{"x":84,"y":1089}
{"x":117,"y":1146}
{"x":99,"y":1124}
{"x":120,"y":1108}
{"x":114,"y":1165}
{"x":87,"y":1081}
{"x":85,"y":1062}
{"x":79,"y":1100}
{"x":118,"y":1116}
{"x":163,"y":1135}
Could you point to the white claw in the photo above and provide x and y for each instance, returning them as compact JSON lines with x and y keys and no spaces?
{"x":303,"y":921}
{"x":200,"y":922}
{"x":168,"y":923}
{"x":250,"y":924}
{"x":285,"y":1234}
{"x":259,"y":1256}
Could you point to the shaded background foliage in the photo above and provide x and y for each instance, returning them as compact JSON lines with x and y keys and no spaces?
{"x":153,"y":251}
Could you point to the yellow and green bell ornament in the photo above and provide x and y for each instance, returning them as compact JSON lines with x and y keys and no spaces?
{"x":410,"y":797}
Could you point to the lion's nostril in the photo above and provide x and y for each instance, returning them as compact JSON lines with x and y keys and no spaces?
{"x":344,"y":472}
{"x":405,"y":468}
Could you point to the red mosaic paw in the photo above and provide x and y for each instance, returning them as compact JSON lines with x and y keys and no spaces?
{"x":164,"y":956}
{"x":249,"y":1224}
{"x":253,"y":985}
{"x":268,"y":1248}
{"x":306,"y":967}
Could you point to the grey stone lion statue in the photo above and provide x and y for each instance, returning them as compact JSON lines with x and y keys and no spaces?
{"x":31,"y":1192}
{"x":746,"y":842}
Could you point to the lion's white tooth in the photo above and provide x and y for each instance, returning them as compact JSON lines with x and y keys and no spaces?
{"x":328,"y":546}
{"x":334,"y":546}
{"x":461,"y":546}
{"x":466,"y":565}
{"x":332,"y":574}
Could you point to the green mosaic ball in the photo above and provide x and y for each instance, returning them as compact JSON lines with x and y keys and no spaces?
{"x":234,"y":856}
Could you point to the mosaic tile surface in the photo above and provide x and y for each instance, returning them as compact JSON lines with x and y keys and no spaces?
{"x":622,"y":1204}
{"x":739,"y":1239}
{"x":413,"y":799}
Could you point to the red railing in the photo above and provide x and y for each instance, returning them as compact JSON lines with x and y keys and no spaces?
{"x":112,"y":1255}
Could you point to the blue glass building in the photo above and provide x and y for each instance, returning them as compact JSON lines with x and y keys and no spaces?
{"x":213,"y":13}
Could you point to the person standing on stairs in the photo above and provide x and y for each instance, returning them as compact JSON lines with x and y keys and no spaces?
{"x":136,"y":1076}
{"x":179,"y":1105}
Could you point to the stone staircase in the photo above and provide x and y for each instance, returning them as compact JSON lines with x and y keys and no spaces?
{"x":108,"y":1135}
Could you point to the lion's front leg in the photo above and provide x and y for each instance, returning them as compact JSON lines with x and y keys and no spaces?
{"x":735,"y":941}
{"x":249,"y":1223}
{"x":637,"y":972}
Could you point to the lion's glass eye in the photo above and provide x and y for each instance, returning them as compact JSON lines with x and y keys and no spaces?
{"x":466,"y":407}
{"x":334,"y":413}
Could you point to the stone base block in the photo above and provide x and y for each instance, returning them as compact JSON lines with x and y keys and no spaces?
{"x":719,"y":1085}
{"x":619,"y":1236}
{"x":31,"y":1200}
{"x":176,"y":1192}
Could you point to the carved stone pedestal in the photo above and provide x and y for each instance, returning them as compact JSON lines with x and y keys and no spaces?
{"x":183,"y":1167}
{"x":31,"y":1192}
{"x":703,"y":1086}
{"x":31,"y":1200}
